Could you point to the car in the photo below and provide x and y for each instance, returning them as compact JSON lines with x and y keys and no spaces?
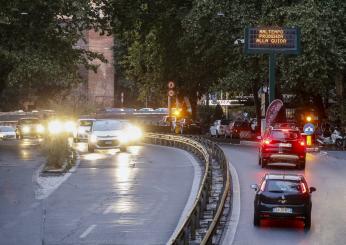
{"x":282,"y":145}
{"x":7,"y":133}
{"x":283,"y":196}
{"x":108,"y":134}
{"x":219,"y":127}
{"x":161,"y":110}
{"x":236,"y":127}
{"x":82,"y":129}
{"x":146,"y":110}
{"x":29,"y":127}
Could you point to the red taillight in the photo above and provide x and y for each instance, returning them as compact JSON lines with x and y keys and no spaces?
{"x":302,"y":143}
{"x":263,"y":185}
{"x":302,"y":185}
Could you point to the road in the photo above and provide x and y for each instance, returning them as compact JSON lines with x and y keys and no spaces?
{"x":113,"y":198}
{"x":325,"y":170}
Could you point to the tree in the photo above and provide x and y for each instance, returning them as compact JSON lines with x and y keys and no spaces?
{"x":38,"y":46}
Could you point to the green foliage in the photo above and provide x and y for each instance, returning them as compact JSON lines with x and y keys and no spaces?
{"x":57,"y":151}
{"x":38,"y":46}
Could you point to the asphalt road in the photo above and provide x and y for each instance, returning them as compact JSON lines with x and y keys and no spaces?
{"x":325,"y":170}
{"x":113,"y":198}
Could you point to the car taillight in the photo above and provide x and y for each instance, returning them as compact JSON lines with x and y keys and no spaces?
{"x":303,"y":187}
{"x":263,"y":185}
{"x":302,"y":143}
{"x":266,"y":141}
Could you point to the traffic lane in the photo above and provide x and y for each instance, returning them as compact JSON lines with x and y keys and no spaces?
{"x":323,"y":171}
{"x":121,"y":198}
{"x":19,"y":210}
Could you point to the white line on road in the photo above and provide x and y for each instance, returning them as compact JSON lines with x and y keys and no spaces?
{"x":87,"y":231}
{"x":232,"y":223}
{"x":108,"y":210}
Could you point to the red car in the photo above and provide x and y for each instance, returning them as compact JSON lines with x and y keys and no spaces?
{"x":282,"y":145}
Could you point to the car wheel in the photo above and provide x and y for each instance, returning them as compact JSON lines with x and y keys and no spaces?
{"x":263,"y":163}
{"x":123,"y":148}
{"x":217,"y":134}
{"x":91,"y":149}
{"x":259,"y":160}
{"x":301,"y":165}
{"x":256,"y":219}
{"x":307,"y":221}
{"x":338,"y":144}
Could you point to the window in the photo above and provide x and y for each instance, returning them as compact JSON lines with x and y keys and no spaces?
{"x":284,"y":135}
{"x":108,"y":125}
{"x":283,"y":186}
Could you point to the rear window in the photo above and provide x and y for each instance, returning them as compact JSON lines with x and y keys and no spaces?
{"x":286,"y":186}
{"x":284,"y":135}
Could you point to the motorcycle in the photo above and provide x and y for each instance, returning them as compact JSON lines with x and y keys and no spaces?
{"x":335,"y":139}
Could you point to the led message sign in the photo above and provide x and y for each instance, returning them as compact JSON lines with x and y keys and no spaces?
{"x":272,"y":40}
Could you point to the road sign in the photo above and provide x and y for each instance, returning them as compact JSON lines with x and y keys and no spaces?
{"x":272,"y":40}
{"x":170,"y":93}
{"x":171,"y":84}
{"x":309,"y":129}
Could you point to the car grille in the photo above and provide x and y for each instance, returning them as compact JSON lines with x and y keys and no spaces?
{"x":107,"y":143}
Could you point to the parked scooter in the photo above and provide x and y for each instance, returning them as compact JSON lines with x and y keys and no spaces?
{"x":335,"y":139}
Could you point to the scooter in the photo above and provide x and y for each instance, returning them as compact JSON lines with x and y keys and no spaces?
{"x":335,"y":139}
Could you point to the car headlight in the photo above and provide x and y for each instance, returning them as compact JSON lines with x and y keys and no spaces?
{"x":123,"y":138}
{"x":69,"y":126}
{"x":39,"y":128}
{"x":134,"y":133}
{"x":26,"y":129}
{"x":93,"y":138}
{"x":55,"y":127}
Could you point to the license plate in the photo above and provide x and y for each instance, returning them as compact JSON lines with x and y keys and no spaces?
{"x":282,"y":210}
{"x":285,"y":145}
{"x":109,"y":142}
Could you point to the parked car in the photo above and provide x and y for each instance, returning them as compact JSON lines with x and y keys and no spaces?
{"x":29,"y":127}
{"x":161,"y":110}
{"x":108,"y":134}
{"x":146,"y":110}
{"x":237,"y":127}
{"x":219,"y":127}
{"x":82,"y":130}
{"x":7,"y":133}
{"x":282,"y":145}
{"x":283,"y":196}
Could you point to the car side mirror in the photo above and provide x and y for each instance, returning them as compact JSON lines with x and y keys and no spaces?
{"x":312,"y":189}
{"x":259,"y":137}
{"x":254,"y":187}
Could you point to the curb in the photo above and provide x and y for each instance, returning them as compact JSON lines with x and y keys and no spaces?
{"x":250,"y":143}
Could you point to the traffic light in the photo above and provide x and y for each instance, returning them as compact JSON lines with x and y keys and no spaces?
{"x":308,"y":118}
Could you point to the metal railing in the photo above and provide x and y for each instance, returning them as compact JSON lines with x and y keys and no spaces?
{"x":207,"y":151}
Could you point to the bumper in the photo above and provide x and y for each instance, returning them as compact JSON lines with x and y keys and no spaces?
{"x":279,"y":157}
{"x":106,"y":144}
{"x":267,"y":211}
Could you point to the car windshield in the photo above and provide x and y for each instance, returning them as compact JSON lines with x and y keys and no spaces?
{"x":86,"y":123}
{"x":108,"y":125}
{"x":284,"y":135}
{"x":28,"y":121}
{"x":6,"y":129}
{"x":283,"y":186}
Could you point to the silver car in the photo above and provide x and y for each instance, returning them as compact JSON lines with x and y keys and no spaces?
{"x":108,"y":134}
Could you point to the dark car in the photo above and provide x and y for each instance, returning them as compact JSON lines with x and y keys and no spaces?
{"x":237,"y":126}
{"x":283,"y":196}
{"x":29,"y":127}
{"x":282,"y":145}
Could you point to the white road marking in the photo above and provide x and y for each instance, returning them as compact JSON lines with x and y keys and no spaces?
{"x":232,"y":223}
{"x":108,"y":210}
{"x":87,"y":231}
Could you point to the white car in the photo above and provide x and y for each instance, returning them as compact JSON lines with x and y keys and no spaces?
{"x":7,"y":133}
{"x":146,"y":110}
{"x":82,"y":130}
{"x":110,"y":134}
{"x":219,"y":127}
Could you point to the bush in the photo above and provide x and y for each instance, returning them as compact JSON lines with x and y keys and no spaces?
{"x":57,"y":151}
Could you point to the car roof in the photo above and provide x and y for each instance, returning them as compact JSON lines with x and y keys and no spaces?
{"x":294,"y":177}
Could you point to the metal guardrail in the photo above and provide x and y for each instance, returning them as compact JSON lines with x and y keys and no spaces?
{"x":206,"y":150}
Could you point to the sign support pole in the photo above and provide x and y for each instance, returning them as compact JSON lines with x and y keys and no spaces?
{"x":271,"y":77}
